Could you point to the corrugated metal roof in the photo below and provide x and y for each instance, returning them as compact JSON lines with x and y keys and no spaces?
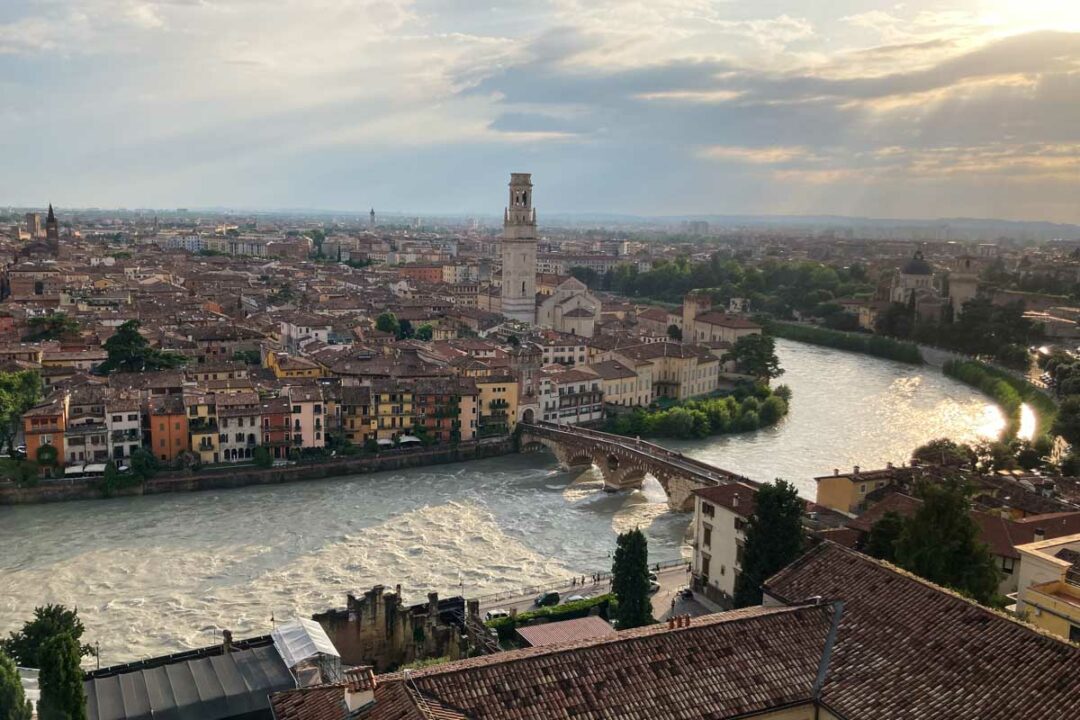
{"x":206,"y":688}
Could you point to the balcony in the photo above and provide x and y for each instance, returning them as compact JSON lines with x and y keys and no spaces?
{"x":197,"y":425}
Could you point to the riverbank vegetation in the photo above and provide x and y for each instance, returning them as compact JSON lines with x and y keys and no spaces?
{"x":748,"y":407}
{"x":876,"y":345}
{"x":983,"y":328}
{"x":1009,"y":392}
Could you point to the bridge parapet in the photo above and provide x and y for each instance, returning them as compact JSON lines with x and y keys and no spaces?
{"x":623,"y":462}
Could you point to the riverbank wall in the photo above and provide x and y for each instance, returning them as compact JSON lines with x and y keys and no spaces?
{"x":64,"y":490}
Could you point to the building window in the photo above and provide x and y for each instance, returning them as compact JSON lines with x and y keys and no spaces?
{"x":705,"y":567}
{"x":707,"y":510}
{"x":706,"y":538}
{"x":1007,"y":565}
{"x":739,"y":554}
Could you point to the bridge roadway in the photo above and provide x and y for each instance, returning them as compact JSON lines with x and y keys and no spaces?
{"x":623,"y":462}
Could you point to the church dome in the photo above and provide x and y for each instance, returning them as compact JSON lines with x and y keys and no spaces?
{"x":917,"y":266}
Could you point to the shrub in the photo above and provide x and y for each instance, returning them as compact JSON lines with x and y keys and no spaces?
{"x":876,"y":345}
{"x":567,"y":611}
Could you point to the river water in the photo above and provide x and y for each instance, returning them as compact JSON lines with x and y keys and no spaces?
{"x":159,"y":574}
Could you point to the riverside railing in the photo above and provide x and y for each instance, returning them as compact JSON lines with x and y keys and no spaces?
{"x":597,"y":578}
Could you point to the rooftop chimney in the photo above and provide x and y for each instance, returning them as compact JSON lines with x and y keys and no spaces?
{"x":359,"y":687}
{"x":835,"y":471}
{"x":1040,"y":534}
{"x":856,"y":472}
{"x":735,"y":500}
{"x":226,"y":641}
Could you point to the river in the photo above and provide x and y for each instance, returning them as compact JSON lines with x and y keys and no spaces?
{"x":158,"y":574}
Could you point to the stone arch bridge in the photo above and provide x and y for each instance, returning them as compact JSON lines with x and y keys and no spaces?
{"x":624,"y":462}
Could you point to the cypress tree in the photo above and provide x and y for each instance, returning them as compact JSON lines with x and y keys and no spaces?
{"x":630,"y":580}
{"x":13,"y":702}
{"x":60,"y":679}
{"x":774,"y":538}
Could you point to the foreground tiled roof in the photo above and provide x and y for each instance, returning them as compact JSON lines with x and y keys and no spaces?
{"x":909,"y":649}
{"x":719,"y":666}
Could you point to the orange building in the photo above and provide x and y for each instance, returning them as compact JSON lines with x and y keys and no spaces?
{"x":168,"y":427}
{"x":420,"y":272}
{"x":44,"y":424}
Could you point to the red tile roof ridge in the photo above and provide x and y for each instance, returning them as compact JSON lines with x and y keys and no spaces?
{"x":658,"y":628}
{"x":825,"y":545}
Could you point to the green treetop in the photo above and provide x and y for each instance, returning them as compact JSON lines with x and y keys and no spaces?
{"x":25,"y":646}
{"x":755,"y":355}
{"x":129,"y":351}
{"x":18,"y":393}
{"x":941,"y":543}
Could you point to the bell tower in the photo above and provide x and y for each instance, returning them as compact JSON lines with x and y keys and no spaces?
{"x":519,"y":251}
{"x":52,"y":231}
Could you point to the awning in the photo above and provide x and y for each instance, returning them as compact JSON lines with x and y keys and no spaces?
{"x":95,"y":468}
{"x":74,"y":470}
{"x":385,"y":443}
{"x":409,"y":439}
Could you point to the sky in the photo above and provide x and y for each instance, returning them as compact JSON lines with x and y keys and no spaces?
{"x":922,"y":109}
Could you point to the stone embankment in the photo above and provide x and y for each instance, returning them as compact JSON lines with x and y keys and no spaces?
{"x":218,"y":479}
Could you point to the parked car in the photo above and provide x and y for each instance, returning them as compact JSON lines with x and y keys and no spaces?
{"x":547,"y":599}
{"x":653,"y":577}
{"x":578,"y":598}
{"x":686,"y":593}
{"x":496,"y":614}
{"x":654,"y":587}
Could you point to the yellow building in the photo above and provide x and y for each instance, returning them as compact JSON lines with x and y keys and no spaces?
{"x":289,"y":366}
{"x":393,"y":404}
{"x":203,"y":426}
{"x":358,"y":416}
{"x":847,"y":492}
{"x":1049,"y":585}
{"x":498,"y":404}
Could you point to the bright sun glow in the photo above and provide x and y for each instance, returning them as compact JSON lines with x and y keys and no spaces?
{"x":1015,"y":16}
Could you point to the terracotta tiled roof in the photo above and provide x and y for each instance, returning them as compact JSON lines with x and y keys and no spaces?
{"x":721,"y":665}
{"x":909,"y":649}
{"x":566,"y":631}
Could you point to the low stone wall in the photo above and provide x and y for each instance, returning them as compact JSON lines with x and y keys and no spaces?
{"x":241,"y":477}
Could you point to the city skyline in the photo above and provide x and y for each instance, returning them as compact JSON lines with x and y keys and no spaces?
{"x":669,"y":108}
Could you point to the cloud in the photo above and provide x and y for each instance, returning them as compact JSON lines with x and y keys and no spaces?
{"x":659,"y":106}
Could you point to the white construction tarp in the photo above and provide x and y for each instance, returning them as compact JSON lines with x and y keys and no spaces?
{"x":300,"y":639}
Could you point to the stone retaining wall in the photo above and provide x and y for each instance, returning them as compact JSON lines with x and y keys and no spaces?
{"x":60,"y":491}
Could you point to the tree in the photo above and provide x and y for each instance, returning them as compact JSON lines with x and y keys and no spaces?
{"x":1067,"y":422}
{"x":60,"y":679}
{"x":13,"y":702}
{"x":755,"y":355}
{"x":262,"y":457}
{"x":51,"y":326}
{"x":129,"y":351}
{"x":425,"y":332}
{"x":143,"y":464}
{"x":774,"y":538}
{"x":387,"y":323}
{"x":630,"y":580}
{"x":883,"y":536}
{"x":18,"y":393}
{"x":945,"y":453}
{"x":405,"y":330}
{"x":941,"y":543}
{"x":24,"y":646}
{"x":674,"y":332}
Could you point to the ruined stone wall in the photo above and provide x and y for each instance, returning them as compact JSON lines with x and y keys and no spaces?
{"x":377,"y":629}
